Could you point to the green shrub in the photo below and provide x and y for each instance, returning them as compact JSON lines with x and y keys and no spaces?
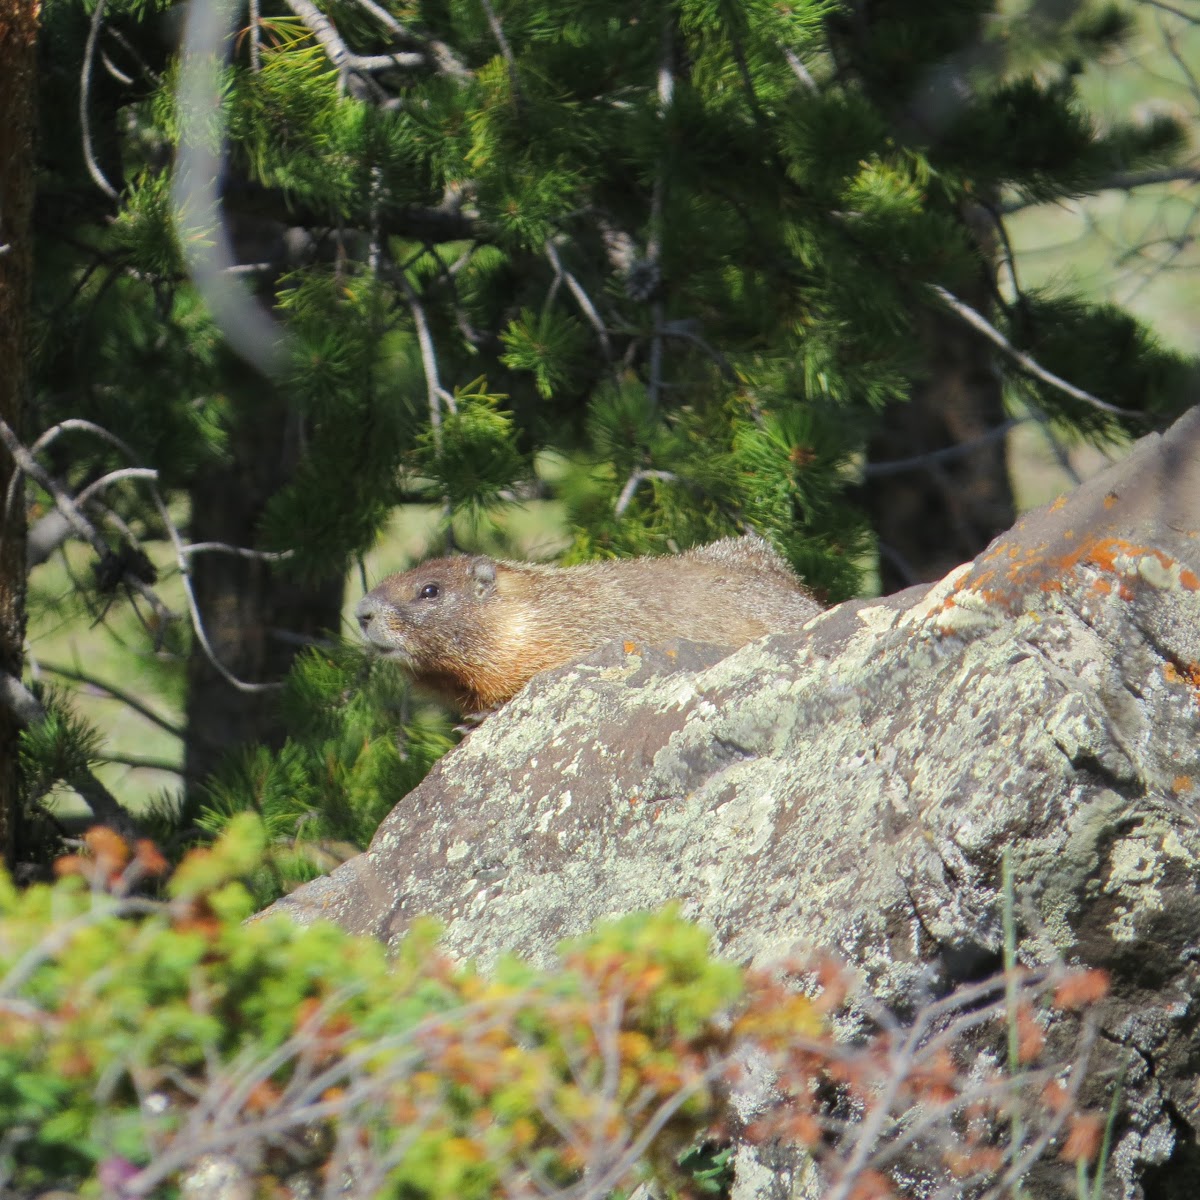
{"x":147,"y":1044}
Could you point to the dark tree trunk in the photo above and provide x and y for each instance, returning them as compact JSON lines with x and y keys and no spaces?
{"x":18,"y":43}
{"x":255,"y":616}
{"x":933,"y":517}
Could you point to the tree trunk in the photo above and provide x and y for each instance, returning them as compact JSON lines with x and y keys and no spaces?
{"x":942,"y":513}
{"x":934,"y":517}
{"x":255,"y":616}
{"x":18,"y":43}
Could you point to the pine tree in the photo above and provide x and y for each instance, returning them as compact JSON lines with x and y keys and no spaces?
{"x":18,"y":41}
{"x":681,"y":267}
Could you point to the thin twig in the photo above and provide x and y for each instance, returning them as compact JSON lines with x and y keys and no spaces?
{"x":1191,"y":18}
{"x":510,"y":60}
{"x":666,"y":94}
{"x":240,"y":551}
{"x":112,"y":477}
{"x":77,"y":676}
{"x":799,"y":69}
{"x":633,"y":483}
{"x":581,"y":297}
{"x":980,"y":323}
{"x":679,"y":329}
{"x":82,"y":526}
{"x":85,"y":95}
{"x":436,"y":393}
{"x":918,"y":462}
{"x":141,"y":763}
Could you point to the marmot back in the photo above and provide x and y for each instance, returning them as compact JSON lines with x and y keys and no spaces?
{"x":475,"y":630}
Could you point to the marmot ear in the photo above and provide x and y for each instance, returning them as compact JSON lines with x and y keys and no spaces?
{"x":483,"y":575}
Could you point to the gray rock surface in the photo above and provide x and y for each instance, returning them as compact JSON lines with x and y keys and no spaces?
{"x":854,"y":784}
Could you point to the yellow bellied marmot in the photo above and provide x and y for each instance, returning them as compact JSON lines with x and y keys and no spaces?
{"x":475,"y":630}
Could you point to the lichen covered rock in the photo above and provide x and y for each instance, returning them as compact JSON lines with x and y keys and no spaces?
{"x":853,"y":785}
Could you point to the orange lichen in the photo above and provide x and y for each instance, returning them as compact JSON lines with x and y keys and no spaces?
{"x":1059,"y":503}
{"x":630,"y":647}
{"x":1181,"y":783}
{"x":1041,"y":567}
{"x":1110,"y":499}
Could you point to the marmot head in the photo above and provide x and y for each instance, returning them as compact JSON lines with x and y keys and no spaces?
{"x":420,"y":616}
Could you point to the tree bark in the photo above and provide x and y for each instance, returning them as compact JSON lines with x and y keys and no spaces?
{"x":18,"y":45}
{"x":931,"y":518}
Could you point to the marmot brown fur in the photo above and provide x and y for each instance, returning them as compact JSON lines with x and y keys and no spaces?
{"x":475,"y":630}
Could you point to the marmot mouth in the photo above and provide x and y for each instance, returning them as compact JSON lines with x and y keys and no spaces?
{"x":390,"y":651}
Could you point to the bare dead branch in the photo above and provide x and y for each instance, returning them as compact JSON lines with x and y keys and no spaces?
{"x":240,"y":551}
{"x":82,"y":526}
{"x":87,"y":531}
{"x":85,"y":96}
{"x":800,"y":71}
{"x":633,"y":483}
{"x":510,"y":60}
{"x":112,"y":477}
{"x":980,"y":323}
{"x":581,"y":297}
{"x":339,"y":54}
{"x":437,"y":394}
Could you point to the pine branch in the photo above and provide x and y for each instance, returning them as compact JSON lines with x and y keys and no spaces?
{"x":28,"y":710}
{"x":1125,"y":181}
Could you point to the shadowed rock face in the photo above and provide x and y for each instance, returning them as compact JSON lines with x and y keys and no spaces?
{"x":854,"y":784}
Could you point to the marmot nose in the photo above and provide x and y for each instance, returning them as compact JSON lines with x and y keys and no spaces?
{"x":365,"y":612}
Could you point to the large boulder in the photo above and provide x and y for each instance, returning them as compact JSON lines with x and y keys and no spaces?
{"x":854,"y":784}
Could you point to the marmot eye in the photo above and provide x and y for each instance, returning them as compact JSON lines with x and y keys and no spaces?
{"x":430,"y":591}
